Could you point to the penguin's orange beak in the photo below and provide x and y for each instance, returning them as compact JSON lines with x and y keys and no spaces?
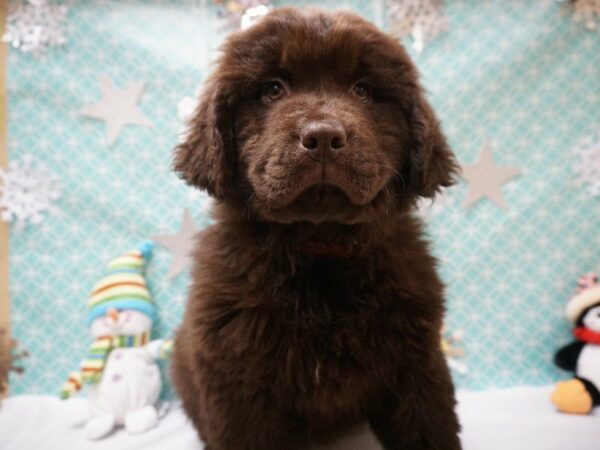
{"x":113,"y":313}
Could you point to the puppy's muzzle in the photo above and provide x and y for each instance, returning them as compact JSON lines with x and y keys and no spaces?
{"x":323,"y":140}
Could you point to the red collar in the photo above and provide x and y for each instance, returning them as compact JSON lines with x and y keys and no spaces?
{"x":331,"y":249}
{"x":586,"y":335}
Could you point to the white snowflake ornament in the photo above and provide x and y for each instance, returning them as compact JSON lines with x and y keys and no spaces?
{"x":27,"y":192}
{"x":242,"y":14}
{"x":201,"y":200}
{"x":185,"y":112}
{"x":428,"y":208}
{"x":422,"y":20}
{"x":587,"y":164}
{"x":186,"y":108}
{"x":35,"y":25}
{"x":253,"y":15}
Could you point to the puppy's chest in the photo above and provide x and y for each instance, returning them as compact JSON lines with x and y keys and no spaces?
{"x":334,"y":347}
{"x":326,"y":337}
{"x":340,"y":364}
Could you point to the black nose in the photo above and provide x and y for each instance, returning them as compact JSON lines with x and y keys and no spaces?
{"x":323,"y":140}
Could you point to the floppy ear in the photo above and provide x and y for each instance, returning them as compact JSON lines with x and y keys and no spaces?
{"x":205,"y":157}
{"x":433,"y":165}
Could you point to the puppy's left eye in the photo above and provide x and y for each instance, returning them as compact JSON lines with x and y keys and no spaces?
{"x":363,"y":91}
{"x":274,"y":90}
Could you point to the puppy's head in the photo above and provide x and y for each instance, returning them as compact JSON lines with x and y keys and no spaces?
{"x":315,"y":116}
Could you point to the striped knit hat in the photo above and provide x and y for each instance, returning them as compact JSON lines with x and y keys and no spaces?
{"x":586,"y":295}
{"x":124,"y":285}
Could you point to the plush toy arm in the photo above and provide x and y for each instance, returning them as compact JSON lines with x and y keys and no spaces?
{"x":160,"y":348}
{"x":72,"y":385}
{"x":566,"y":357}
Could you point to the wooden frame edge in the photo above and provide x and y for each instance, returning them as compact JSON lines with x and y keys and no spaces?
{"x":4,"y":227}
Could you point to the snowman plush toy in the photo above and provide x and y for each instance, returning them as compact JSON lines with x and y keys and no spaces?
{"x":121,"y":365}
{"x":582,"y":393}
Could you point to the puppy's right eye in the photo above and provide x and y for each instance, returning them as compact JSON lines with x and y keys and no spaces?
{"x":274,"y":90}
{"x":362,"y":91}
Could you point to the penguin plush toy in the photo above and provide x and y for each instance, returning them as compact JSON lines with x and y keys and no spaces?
{"x":582,"y":393}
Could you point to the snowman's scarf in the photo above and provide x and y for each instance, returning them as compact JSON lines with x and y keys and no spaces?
{"x":586,"y":335}
{"x":91,"y":368}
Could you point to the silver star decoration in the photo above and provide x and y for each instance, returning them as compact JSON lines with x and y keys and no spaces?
{"x":485,"y":179}
{"x":179,"y":244}
{"x":117,"y":107}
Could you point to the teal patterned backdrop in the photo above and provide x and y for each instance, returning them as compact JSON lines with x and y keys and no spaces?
{"x":517,"y":74}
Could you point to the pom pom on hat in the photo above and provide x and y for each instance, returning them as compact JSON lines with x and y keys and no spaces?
{"x":586,"y":295}
{"x":124,"y":285}
{"x":146,"y":248}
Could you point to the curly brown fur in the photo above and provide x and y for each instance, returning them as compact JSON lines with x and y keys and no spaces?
{"x":315,"y":302}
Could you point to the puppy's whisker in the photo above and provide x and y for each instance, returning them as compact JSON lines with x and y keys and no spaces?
{"x":389,"y":168}
{"x":388,"y":197}
{"x":248,"y":207}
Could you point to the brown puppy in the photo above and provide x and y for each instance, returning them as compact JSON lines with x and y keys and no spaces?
{"x":315,"y":303}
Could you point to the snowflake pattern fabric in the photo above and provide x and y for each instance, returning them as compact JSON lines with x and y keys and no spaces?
{"x":519,"y":74}
{"x":27,"y":192}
